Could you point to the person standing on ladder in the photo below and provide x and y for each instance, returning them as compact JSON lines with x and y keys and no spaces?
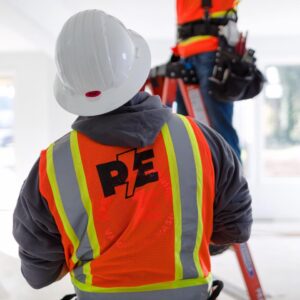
{"x":129,"y":200}
{"x":198,"y":28}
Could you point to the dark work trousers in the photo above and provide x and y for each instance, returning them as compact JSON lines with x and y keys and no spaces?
{"x":220,"y":113}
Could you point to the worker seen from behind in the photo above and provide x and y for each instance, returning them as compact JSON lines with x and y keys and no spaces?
{"x":129,"y":200}
{"x":198,"y":24}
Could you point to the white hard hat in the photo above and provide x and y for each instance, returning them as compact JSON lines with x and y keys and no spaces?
{"x":101,"y":64}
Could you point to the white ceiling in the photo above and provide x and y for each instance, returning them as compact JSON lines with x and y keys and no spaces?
{"x":34,"y":24}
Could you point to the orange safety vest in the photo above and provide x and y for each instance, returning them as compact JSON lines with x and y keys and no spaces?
{"x":191,"y":10}
{"x":136,"y":220}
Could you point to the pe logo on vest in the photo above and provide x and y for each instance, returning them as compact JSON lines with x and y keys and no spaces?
{"x":130,"y":164}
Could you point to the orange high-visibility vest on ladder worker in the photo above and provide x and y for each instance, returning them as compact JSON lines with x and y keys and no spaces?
{"x":191,"y":11}
{"x":134,"y":221}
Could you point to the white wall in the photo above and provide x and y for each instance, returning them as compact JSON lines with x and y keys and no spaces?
{"x":38,"y":120}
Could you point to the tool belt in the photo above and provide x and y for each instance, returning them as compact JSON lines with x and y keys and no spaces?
{"x":235,"y":76}
{"x":201,"y":27}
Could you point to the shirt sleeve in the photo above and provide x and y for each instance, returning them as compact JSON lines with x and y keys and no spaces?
{"x":232,"y":206}
{"x":34,"y":229}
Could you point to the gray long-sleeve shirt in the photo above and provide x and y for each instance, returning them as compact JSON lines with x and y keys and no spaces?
{"x":135,"y":124}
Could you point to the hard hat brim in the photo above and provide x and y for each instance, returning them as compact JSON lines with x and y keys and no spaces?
{"x":112,"y":98}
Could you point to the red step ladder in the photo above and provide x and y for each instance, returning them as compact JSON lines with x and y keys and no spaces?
{"x":164,"y":81}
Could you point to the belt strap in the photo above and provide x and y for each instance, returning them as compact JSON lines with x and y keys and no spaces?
{"x":188,"y":30}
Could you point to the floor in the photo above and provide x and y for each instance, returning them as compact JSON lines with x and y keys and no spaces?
{"x":275,"y":248}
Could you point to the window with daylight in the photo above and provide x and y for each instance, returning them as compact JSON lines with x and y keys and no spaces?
{"x":7,"y":93}
{"x":281,"y":115}
{"x":7,"y":151}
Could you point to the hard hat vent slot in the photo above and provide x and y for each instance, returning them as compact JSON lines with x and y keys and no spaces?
{"x":92,"y":94}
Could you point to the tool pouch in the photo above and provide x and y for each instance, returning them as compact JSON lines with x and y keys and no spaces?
{"x":235,"y":77}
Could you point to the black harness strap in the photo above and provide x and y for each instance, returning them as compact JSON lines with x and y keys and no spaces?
{"x":206,"y":5}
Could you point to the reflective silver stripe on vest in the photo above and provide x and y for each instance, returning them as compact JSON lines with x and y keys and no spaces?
{"x":79,"y":274}
{"x":188,"y":197}
{"x":188,"y":293}
{"x":71,"y":199}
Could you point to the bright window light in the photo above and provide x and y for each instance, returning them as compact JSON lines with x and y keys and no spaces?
{"x":274,"y":91}
{"x":272,"y":75}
